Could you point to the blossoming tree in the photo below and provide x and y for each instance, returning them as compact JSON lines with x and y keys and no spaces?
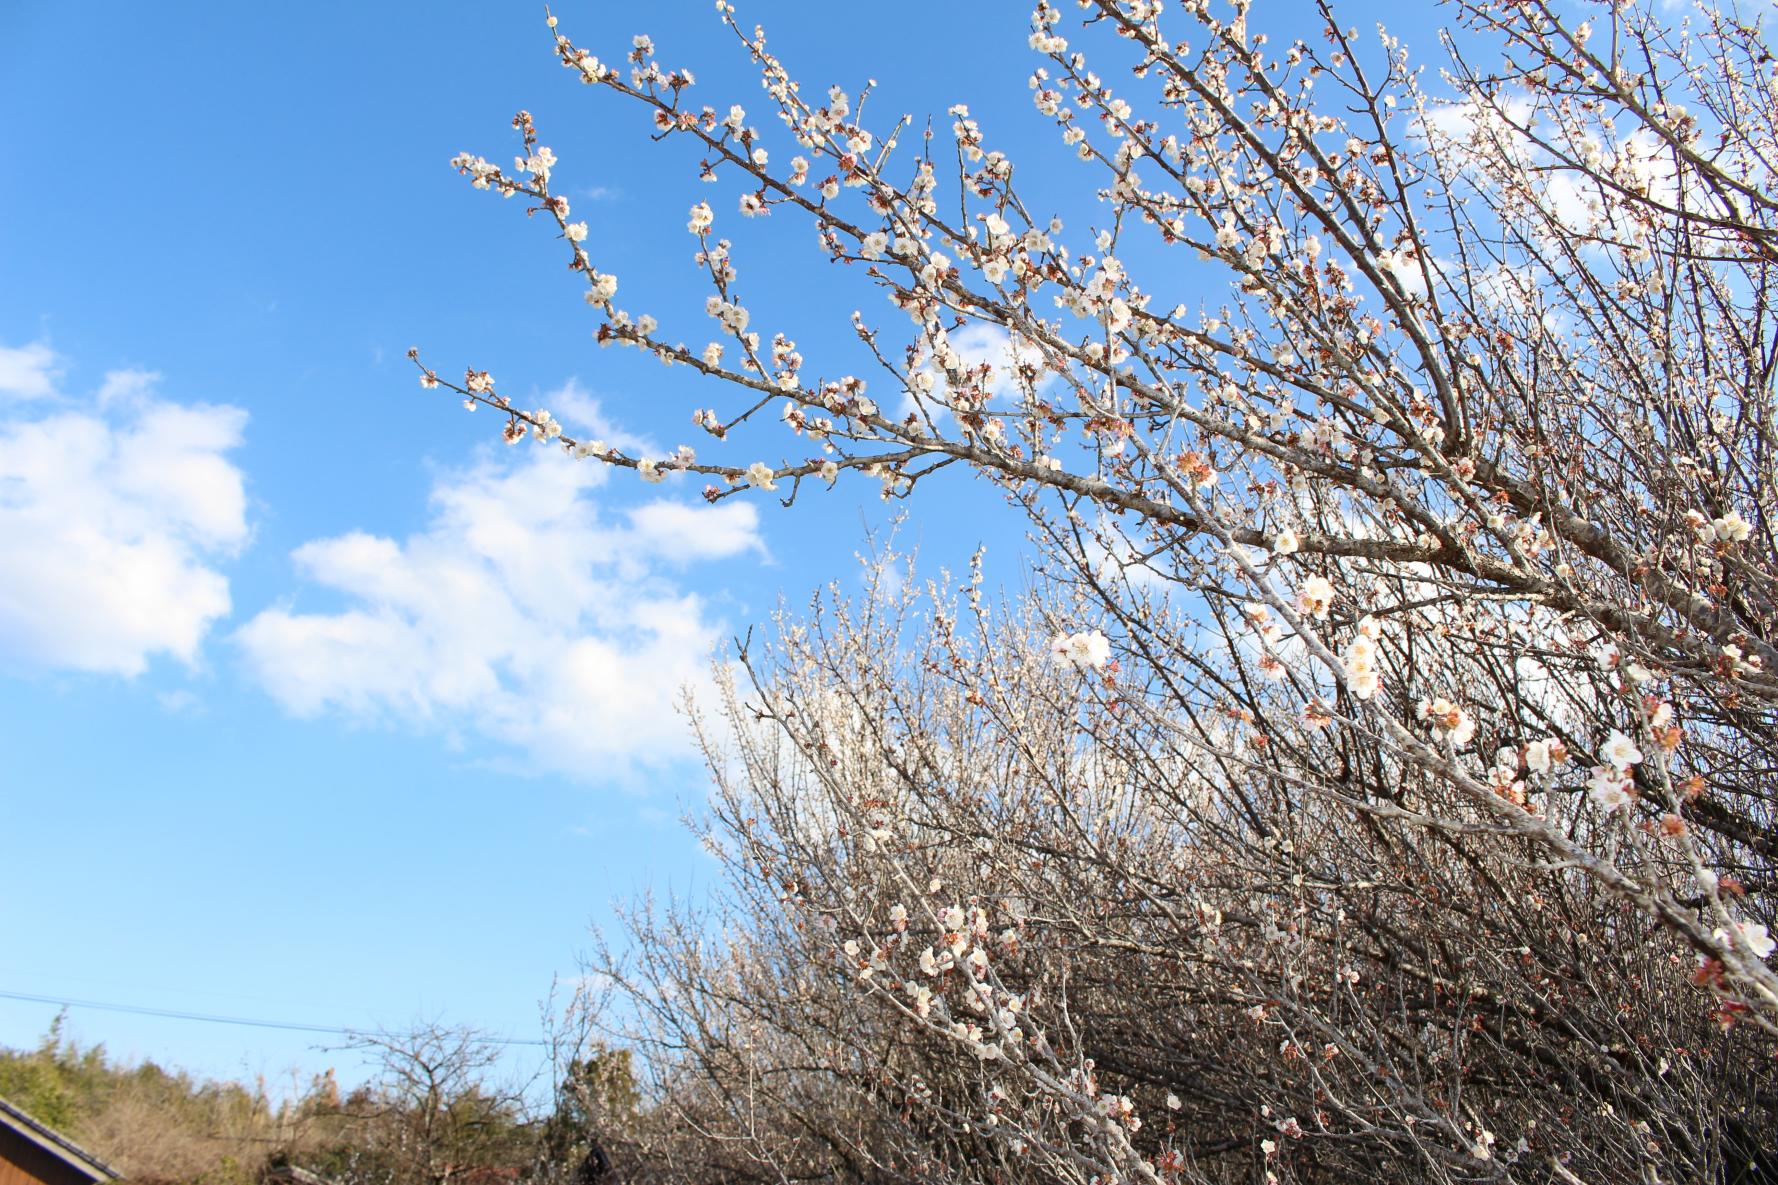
{"x":1383,"y":780}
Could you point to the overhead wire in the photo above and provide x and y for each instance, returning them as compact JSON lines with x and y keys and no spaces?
{"x":210,"y":1018}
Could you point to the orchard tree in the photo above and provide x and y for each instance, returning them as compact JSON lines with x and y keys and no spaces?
{"x":1382,"y":779}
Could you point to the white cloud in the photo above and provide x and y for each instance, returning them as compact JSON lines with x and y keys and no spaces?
{"x":682,"y":533}
{"x":983,"y":344}
{"x":979,"y":344}
{"x":1114,"y":557}
{"x":113,"y":511}
{"x":1479,"y":124}
{"x":27,"y":372}
{"x":522,"y":612}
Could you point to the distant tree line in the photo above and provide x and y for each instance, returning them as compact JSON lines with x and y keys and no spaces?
{"x":435,"y":1111}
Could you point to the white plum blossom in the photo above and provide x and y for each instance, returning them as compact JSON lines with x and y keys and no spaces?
{"x":1609,"y":789}
{"x":539,"y":163}
{"x":761,"y":476}
{"x":1754,"y":938}
{"x":1448,"y":720}
{"x":1315,"y":597}
{"x":921,"y":997}
{"x":1732,"y":528}
{"x":1088,"y":650}
{"x":1537,"y":757}
{"x":1360,"y":659}
{"x":601,"y":287}
{"x":1621,"y":751}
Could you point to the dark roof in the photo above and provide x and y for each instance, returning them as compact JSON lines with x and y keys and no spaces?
{"x":55,"y":1143}
{"x":289,"y":1172}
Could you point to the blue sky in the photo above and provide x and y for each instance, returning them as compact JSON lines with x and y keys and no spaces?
{"x":316,"y":702}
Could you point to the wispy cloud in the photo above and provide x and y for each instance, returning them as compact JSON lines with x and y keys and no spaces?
{"x":581,"y":412}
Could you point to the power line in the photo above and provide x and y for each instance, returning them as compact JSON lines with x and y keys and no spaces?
{"x":207,"y":1018}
